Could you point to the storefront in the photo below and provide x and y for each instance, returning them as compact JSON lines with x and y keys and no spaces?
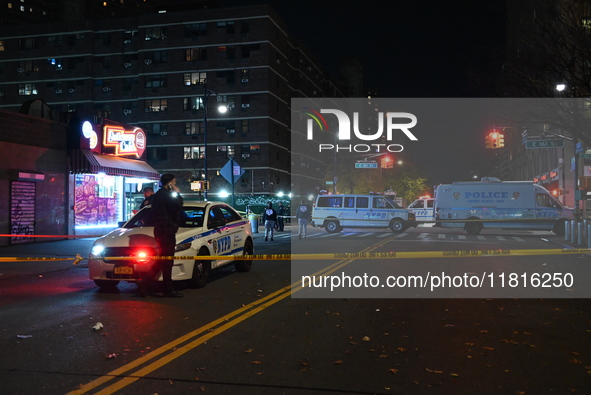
{"x":106,"y":173}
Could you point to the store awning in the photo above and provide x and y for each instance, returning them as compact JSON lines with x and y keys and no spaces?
{"x":84,"y":161}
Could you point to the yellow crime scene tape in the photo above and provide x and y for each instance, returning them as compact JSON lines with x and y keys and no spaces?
{"x":331,"y":256}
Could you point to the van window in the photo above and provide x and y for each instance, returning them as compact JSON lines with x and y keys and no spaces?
{"x":430,"y":203}
{"x":362,"y":202}
{"x":544,"y":200}
{"x":417,"y":204}
{"x":350,"y":202}
{"x":330,"y":201}
{"x":380,"y":202}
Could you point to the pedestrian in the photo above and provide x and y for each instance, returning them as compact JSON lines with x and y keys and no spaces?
{"x":269,"y":218}
{"x":148,"y":197}
{"x":280,"y":214}
{"x":166,"y":211}
{"x":303,"y":215}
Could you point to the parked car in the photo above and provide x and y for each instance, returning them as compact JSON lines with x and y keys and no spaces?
{"x":206,"y":228}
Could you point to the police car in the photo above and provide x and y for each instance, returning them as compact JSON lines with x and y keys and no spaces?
{"x":206,"y":228}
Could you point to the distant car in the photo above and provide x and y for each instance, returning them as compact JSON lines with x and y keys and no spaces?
{"x":206,"y":228}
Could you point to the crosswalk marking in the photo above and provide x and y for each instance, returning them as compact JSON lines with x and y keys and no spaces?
{"x":406,"y":235}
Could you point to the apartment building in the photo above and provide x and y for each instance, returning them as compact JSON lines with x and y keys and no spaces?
{"x":168,"y":73}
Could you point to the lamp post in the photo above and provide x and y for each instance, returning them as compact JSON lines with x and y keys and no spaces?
{"x":222,"y":109}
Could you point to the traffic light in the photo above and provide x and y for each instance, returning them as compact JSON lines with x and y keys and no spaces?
{"x":487,"y":143}
{"x":494,"y":140}
{"x":387,"y":162}
{"x":501,"y":140}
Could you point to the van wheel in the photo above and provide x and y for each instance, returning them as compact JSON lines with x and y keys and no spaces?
{"x":332,"y":226}
{"x":201,"y":270}
{"x":397,"y":226}
{"x":558,"y":228}
{"x":473,"y":228}
{"x":244,"y":266}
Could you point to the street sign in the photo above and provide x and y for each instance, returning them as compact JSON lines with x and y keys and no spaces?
{"x":585,"y":156}
{"x":329,"y":183}
{"x":533,"y":144}
{"x":232,"y":171}
{"x":366,"y":165}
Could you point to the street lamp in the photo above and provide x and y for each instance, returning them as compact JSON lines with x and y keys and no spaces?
{"x":222,"y":109}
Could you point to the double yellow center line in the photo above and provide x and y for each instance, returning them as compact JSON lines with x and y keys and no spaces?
{"x":148,"y":363}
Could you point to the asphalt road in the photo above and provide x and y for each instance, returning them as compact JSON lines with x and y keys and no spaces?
{"x":254,"y":333}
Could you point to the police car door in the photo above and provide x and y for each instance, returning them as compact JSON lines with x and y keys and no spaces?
{"x":224,"y":227}
{"x":379,"y":211}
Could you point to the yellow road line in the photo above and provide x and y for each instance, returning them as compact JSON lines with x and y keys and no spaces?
{"x":229,"y":320}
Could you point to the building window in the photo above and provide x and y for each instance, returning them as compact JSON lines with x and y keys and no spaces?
{"x":195,"y":30}
{"x":194,"y":78}
{"x":197,"y":152}
{"x":156,"y":57}
{"x":245,"y":127}
{"x":194,"y":128}
{"x":195,"y":54}
{"x":56,"y":62}
{"x":2,"y":46}
{"x":155,"y":81}
{"x":157,"y":128}
{"x":227,"y":74}
{"x":28,"y":43}
{"x":228,"y":150}
{"x":27,"y":89}
{"x":25,"y":66}
{"x":156,"y":33}
{"x":226,"y":100}
{"x":247,"y":49}
{"x":157,"y":153}
{"x":155,"y":105}
{"x":245,"y":75}
{"x":230,"y":29}
{"x":586,"y":23}
{"x":193,"y":103}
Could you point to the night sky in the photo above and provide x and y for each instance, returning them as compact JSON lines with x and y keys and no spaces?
{"x":418,"y":49}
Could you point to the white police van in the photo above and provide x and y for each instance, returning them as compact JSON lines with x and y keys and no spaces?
{"x":495,"y":204}
{"x":424,"y":209}
{"x":335,"y":212}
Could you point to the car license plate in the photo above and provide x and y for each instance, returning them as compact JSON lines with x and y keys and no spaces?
{"x":123,"y":270}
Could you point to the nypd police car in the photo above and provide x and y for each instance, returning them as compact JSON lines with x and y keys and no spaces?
{"x":206,"y":228}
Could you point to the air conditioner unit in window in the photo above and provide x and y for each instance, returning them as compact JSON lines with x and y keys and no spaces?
{"x":127,"y":64}
{"x":126,"y":111}
{"x":163,"y":133}
{"x":148,"y":61}
{"x":58,"y":91}
{"x":230,"y":131}
{"x":71,"y":90}
{"x":245,"y":80}
{"x":127,"y":42}
{"x":245,"y":105}
{"x":20,"y":70}
{"x":106,"y":89}
{"x":244,"y":156}
{"x":231,"y":105}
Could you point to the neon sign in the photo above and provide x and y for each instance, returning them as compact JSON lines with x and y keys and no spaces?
{"x":113,"y":138}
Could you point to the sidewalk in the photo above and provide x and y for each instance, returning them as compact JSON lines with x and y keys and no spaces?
{"x":50,"y":249}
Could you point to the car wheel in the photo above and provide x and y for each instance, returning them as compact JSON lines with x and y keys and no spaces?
{"x":332,"y":226}
{"x":558,"y":228}
{"x":201,"y":270}
{"x":397,"y":225}
{"x":244,"y":266}
{"x":106,"y":284}
{"x":473,"y":228}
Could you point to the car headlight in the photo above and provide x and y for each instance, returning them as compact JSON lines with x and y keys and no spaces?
{"x":182,"y":247}
{"x":97,"y":251}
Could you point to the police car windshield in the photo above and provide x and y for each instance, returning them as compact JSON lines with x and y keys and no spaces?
{"x":191,"y":217}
